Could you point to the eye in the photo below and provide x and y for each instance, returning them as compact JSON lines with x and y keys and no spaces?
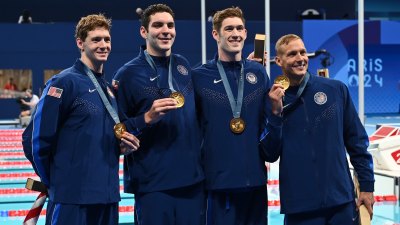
{"x":171,"y":25}
{"x":228,"y":28}
{"x":157,"y":24}
{"x":240,"y":28}
{"x":96,"y":39}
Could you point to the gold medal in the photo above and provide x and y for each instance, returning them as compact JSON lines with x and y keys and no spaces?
{"x":119,"y":129}
{"x":179,"y":98}
{"x":283,"y":80}
{"x":237,"y":125}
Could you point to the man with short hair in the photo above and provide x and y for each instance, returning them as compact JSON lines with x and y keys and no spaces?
{"x":71,"y":140}
{"x":231,"y":96}
{"x":156,"y":98}
{"x":317,"y":125}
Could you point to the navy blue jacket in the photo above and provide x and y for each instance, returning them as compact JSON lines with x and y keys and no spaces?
{"x":70,"y":140}
{"x":315,"y":132}
{"x":169,"y":153}
{"x":232,"y":161}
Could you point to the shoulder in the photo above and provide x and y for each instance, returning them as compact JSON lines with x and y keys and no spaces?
{"x":135,"y":65}
{"x":181,"y":59}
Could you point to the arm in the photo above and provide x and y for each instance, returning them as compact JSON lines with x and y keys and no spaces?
{"x":39,"y":139}
{"x":356,"y":142}
{"x":133,"y":116}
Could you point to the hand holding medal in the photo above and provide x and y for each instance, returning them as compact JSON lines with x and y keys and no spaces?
{"x":119,"y":129}
{"x":180,"y":99}
{"x":283,"y":80}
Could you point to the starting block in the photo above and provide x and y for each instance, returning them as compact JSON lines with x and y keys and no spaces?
{"x":385,"y":148}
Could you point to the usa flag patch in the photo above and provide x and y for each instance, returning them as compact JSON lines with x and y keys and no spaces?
{"x":55,"y":92}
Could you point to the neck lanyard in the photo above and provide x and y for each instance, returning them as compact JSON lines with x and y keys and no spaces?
{"x":236,"y":106}
{"x":103,"y":97}
{"x":150,"y":61}
{"x":301,"y":88}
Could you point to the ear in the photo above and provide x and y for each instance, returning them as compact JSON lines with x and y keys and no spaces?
{"x":245,"y":34}
{"x":79,"y":44}
{"x":215,"y":35}
{"x":278,"y":61}
{"x":143,"y":32}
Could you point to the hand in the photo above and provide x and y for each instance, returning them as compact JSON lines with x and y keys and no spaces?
{"x":23,"y":102}
{"x":251,"y":57}
{"x":276,"y":93}
{"x":159,"y":108}
{"x":367,"y":199}
{"x":129,"y":143}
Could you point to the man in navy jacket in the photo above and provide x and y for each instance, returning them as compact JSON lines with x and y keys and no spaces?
{"x":70,"y":140}
{"x":316,"y":124}
{"x":165,"y":173}
{"x":231,"y":100}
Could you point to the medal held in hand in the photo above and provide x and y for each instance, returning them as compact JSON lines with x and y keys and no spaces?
{"x":119,"y":129}
{"x":237,"y":125}
{"x":283,"y":80}
{"x":179,"y":98}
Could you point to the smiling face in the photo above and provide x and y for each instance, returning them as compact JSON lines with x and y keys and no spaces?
{"x":95,"y":48}
{"x":160,"y":34}
{"x":230,"y":39}
{"x":293,"y":60}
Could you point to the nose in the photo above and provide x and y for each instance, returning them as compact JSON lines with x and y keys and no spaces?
{"x":165,"y":28}
{"x":235,"y":32}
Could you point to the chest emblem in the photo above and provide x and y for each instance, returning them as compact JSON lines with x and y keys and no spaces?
{"x":320,"y":98}
{"x":182,"y":70}
{"x":251,"y":78}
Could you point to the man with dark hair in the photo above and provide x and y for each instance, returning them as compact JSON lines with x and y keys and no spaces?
{"x":71,"y":140}
{"x":156,"y":98}
{"x":317,"y":125}
{"x":231,"y":95}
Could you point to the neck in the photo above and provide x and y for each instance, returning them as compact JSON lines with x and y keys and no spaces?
{"x":153,"y":52}
{"x":223,"y":56}
{"x":296,"y":80}
{"x":96,"y":67}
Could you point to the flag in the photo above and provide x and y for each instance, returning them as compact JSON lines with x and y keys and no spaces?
{"x":55,"y":92}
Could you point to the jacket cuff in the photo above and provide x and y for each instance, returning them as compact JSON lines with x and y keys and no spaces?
{"x":367,"y":186}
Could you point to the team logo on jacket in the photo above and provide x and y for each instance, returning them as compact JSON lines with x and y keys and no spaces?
{"x":110,"y":93}
{"x":182,"y":70}
{"x":251,"y":78}
{"x":320,"y":98}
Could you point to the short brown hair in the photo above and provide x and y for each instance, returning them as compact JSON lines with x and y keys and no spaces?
{"x":220,"y":16}
{"x":153,"y":9}
{"x":284,"y":40}
{"x":89,"y":23}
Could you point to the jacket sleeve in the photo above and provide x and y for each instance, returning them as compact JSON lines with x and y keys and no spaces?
{"x":135,"y":124}
{"x":357,"y":142}
{"x":271,"y":135}
{"x":40,"y":137}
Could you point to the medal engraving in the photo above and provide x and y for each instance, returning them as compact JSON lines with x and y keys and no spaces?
{"x":179,"y":98}
{"x":283,"y":80}
{"x":119,"y":129}
{"x":237,"y":125}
